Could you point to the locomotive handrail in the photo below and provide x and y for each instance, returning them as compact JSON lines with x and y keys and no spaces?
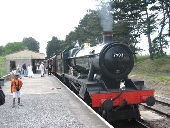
{"x":82,"y":56}
{"x":120,"y":92}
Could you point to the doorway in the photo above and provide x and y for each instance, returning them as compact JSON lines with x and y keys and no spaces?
{"x":12,"y":65}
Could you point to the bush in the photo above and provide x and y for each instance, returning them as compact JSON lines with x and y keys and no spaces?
{"x":3,"y":70}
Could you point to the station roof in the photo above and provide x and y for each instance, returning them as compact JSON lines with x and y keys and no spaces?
{"x":25,"y":54}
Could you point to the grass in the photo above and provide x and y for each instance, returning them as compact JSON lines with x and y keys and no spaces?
{"x":141,"y":58}
{"x":156,"y":69}
{"x":3,"y":70}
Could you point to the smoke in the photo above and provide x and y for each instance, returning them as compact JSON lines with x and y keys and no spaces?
{"x":106,"y":16}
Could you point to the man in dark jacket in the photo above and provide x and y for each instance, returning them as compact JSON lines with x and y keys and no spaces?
{"x":2,"y":97}
{"x":24,"y":69}
{"x":49,"y":68}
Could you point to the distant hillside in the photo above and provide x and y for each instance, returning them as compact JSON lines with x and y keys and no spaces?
{"x":154,"y":73}
{"x":158,"y":69}
{"x":158,"y":66}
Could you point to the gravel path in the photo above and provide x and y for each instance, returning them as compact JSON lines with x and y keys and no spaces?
{"x":38,"y":111}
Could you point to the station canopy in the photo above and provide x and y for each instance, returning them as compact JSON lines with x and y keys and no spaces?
{"x":25,"y":54}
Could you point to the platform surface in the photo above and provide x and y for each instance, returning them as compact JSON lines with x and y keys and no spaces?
{"x":47,"y":103}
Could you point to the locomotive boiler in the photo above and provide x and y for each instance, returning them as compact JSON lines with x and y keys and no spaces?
{"x":99,"y":75}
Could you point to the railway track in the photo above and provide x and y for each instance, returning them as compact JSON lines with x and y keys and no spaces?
{"x":162,"y":106}
{"x":130,"y":124}
{"x":142,"y":124}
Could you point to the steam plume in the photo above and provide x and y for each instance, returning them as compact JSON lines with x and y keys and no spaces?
{"x":106,"y":16}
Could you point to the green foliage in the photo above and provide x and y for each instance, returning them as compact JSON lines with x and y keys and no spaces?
{"x":122,"y":32}
{"x":141,"y":58}
{"x":158,"y":44}
{"x":156,"y":66}
{"x":14,"y":47}
{"x":132,"y":19}
{"x":53,"y":47}
{"x":154,"y":69}
{"x":62,"y":46}
{"x":143,"y":18}
{"x":2,"y":66}
{"x":32,"y":44}
{"x":71,"y":39}
{"x":89,"y":28}
{"x":1,"y":50}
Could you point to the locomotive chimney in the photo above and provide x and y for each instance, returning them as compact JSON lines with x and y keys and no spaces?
{"x":107,"y":36}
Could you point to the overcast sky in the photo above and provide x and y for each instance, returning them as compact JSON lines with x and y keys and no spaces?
{"x":40,"y":19}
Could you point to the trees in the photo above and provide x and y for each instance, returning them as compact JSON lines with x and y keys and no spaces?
{"x":71,"y":39}
{"x":129,"y":20}
{"x":1,"y":50}
{"x":32,"y":44}
{"x":14,"y":47}
{"x":162,"y":9}
{"x":28,"y":43}
{"x":53,"y":47}
{"x":89,"y":28}
{"x":144,"y":19}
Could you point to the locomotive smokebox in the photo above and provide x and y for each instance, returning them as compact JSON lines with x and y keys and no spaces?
{"x":107,"y":37}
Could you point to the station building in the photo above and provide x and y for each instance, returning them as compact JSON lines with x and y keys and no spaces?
{"x":21,"y":57}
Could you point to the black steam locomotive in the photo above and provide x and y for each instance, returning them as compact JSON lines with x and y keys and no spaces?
{"x":99,"y":75}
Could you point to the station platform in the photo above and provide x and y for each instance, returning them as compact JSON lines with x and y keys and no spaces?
{"x":47,"y":103}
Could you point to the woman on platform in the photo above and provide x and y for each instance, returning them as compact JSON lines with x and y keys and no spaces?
{"x":30,"y":72}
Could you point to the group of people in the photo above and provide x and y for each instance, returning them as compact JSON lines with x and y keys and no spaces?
{"x":43,"y":68}
{"x":16,"y":82}
{"x":27,"y":70}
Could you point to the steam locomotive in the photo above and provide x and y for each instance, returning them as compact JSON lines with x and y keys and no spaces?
{"x":99,"y":75}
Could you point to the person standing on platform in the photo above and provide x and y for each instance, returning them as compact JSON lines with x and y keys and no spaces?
{"x":19,"y":69}
{"x":25,"y":69}
{"x":34,"y":68}
{"x":30,"y":72}
{"x":12,"y":73}
{"x":49,"y":68}
{"x":16,"y":85}
{"x":42,"y":69}
{"x":2,"y":97}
